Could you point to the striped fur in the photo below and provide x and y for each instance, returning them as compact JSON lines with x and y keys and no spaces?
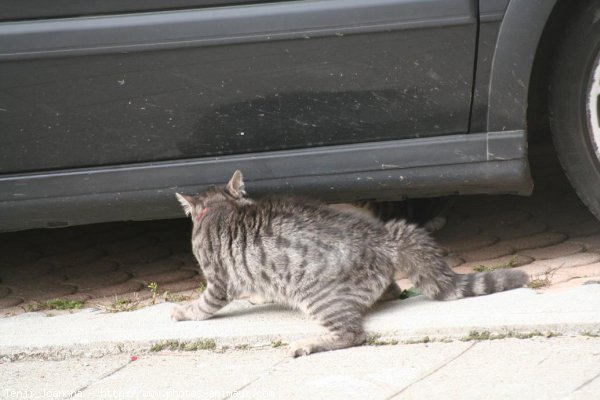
{"x":331,"y":264}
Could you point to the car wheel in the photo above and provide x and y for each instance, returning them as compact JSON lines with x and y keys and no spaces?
{"x":574,"y":104}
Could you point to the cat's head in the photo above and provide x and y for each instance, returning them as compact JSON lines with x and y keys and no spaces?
{"x":232,"y":192}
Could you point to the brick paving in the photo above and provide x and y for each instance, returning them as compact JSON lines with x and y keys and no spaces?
{"x":551,"y":235}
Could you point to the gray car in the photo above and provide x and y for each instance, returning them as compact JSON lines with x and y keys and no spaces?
{"x":107,"y":108}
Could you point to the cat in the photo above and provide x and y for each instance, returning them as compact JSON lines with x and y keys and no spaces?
{"x":332,"y":265}
{"x":427,"y":212}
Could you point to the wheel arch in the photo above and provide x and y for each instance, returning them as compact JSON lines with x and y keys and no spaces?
{"x":522,"y":42}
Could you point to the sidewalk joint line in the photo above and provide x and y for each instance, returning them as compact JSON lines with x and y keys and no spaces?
{"x":586,"y":383}
{"x":268,"y":372}
{"x":87,"y":386}
{"x":430,"y":373}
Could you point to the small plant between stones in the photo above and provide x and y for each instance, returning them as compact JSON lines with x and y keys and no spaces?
{"x":176,"y":345}
{"x":153,"y":286}
{"x":544,"y":279}
{"x":509,"y":264}
{"x":375,"y":340}
{"x":120,"y":305}
{"x":487,"y":335}
{"x":55,"y":304}
{"x":175,"y":297}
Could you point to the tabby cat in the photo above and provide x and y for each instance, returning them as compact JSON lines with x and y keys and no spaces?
{"x":331,"y":264}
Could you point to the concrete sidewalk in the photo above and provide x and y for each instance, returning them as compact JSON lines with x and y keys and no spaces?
{"x":548,"y":347}
{"x":571,"y":311}
{"x":536,"y":368}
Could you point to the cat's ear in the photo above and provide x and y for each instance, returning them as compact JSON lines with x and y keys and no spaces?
{"x":187,"y":202}
{"x":235,"y":186}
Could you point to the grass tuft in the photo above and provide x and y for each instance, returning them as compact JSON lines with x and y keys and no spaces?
{"x":486,"y":335}
{"x":507,"y":265}
{"x":176,"y":345}
{"x":278,"y":343}
{"x":375,"y":340}
{"x":55,"y":304}
{"x":121,"y":305}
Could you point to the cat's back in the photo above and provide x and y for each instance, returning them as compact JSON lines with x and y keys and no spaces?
{"x":298,"y":216}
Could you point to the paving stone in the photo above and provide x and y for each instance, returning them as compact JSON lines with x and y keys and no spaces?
{"x":177,"y":245}
{"x":453,"y":260}
{"x":115,"y":290}
{"x":74,"y":258}
{"x":41,"y":290}
{"x":468,"y":243}
{"x":43,"y":237}
{"x":500,"y":205}
{"x":78,"y":296}
{"x":174,"y":233}
{"x":466,"y":204}
{"x":500,"y":219}
{"x":575,"y":282}
{"x":487,"y":253}
{"x":554,"y":251}
{"x":167,"y":277}
{"x":127,"y":246}
{"x":582,"y":271}
{"x":543,"y":206}
{"x":453,"y":217}
{"x":524,"y":229}
{"x":574,"y":260}
{"x":152,"y":268}
{"x":591,"y":243}
{"x":586,"y":228}
{"x":94,"y":268}
{"x":455,"y":232}
{"x":12,"y":258}
{"x":188,"y":259}
{"x":4,"y":291}
{"x":514,"y":260}
{"x":565,"y":216}
{"x":539,"y":240}
{"x":6,"y":302}
{"x":86,"y":283}
{"x":141,"y":255}
{"x":25,"y":271}
{"x":113,"y":235}
{"x":14,"y":246}
{"x":180,"y":286}
{"x":66,"y":246}
{"x":179,"y":296}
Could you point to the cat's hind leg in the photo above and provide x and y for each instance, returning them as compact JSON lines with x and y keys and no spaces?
{"x":211,"y":300}
{"x":344,"y":326}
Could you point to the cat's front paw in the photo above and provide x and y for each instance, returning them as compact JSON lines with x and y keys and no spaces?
{"x":302,"y":347}
{"x":178,"y":313}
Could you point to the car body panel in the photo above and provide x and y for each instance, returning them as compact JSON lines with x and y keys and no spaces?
{"x":417,"y":119}
{"x":223,"y":85}
{"x":14,"y":10}
{"x":387,"y":170}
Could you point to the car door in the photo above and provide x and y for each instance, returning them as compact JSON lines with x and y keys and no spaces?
{"x":99,"y":84}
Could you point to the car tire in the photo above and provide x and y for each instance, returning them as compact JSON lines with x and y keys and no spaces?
{"x":574,"y":104}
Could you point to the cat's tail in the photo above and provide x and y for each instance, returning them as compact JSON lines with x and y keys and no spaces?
{"x":421,"y":259}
